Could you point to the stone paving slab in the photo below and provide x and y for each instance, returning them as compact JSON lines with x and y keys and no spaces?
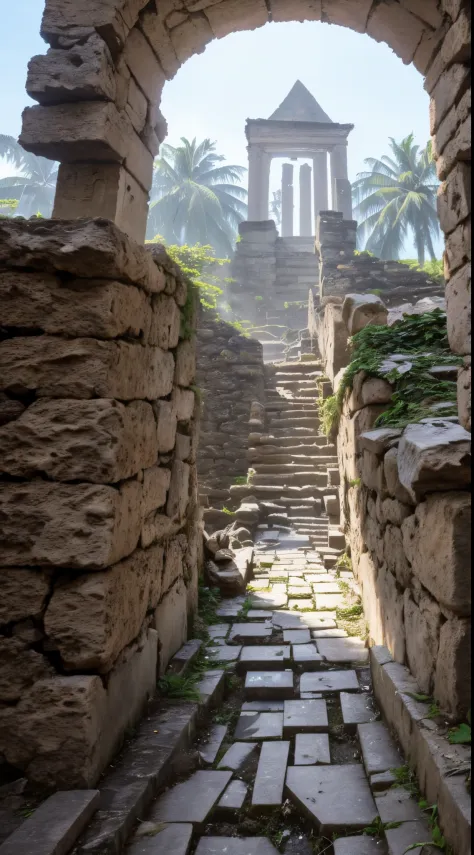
{"x":269,"y":685}
{"x":223,"y":653}
{"x":344,"y":650}
{"x":329,"y":601}
{"x":269,"y":600}
{"x":301,"y":592}
{"x":356,"y":709}
{"x":338,"y":798}
{"x":307,"y":656}
{"x":185,"y":657}
{"x":326,"y":588}
{"x":255,"y":725}
{"x":229,"y":614}
{"x":379,"y":751}
{"x":193,"y":800}
{"x":234,"y":796}
{"x":304,"y":716}
{"x":328,"y":633}
{"x":270,"y":778}
{"x":304,"y":620}
{"x":312,"y":749}
{"x":219,"y":630}
{"x":235,"y":846}
{"x":55,"y":825}
{"x":172,"y":839}
{"x":237,"y":755}
{"x":265,"y":658}
{"x":359,"y":846}
{"x":297,"y":581}
{"x":330,"y":681}
{"x":401,"y":838}
{"x":398,"y":806}
{"x":296,"y":636}
{"x":263,"y":706}
{"x":259,"y":614}
{"x":300,"y":604}
{"x":247,"y":631}
{"x":382,"y":781}
{"x":210,"y":749}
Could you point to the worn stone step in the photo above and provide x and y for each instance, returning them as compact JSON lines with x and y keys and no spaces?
{"x":301,"y":716}
{"x":330,"y":682}
{"x":269,"y":685}
{"x":356,"y":709}
{"x":210,"y":748}
{"x":54,"y":826}
{"x":337,"y":798}
{"x":306,"y":656}
{"x":379,"y":750}
{"x":185,"y":657}
{"x":233,"y":798}
{"x":253,"y":726}
{"x":312,"y":749}
{"x":160,"y":839}
{"x":343,"y":650}
{"x":360,"y":846}
{"x":193,"y":800}
{"x":238,"y":755}
{"x":265,"y":657}
{"x":270,"y":778}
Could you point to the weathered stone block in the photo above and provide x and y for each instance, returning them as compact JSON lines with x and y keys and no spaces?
{"x":300,"y":10}
{"x":156,"y":32}
{"x":231,"y":16}
{"x":171,"y":623}
{"x":185,"y":364}
{"x":24,"y":593}
{"x":156,"y":482}
{"x":395,"y":25}
{"x":113,"y":19}
{"x":391,"y":600}
{"x":173,"y":566}
{"x":87,"y":248}
{"x":81,"y":307}
{"x":345,"y":14}
{"x":464,"y":394}
{"x":144,"y":65}
{"x":458,"y":298}
{"x":20,"y":667}
{"x":456,"y":45}
{"x":422,"y":625}
{"x":85,"y":368}
{"x":92,"y":618}
{"x":191,"y":37}
{"x":433,"y":457}
{"x":395,"y":557}
{"x":454,"y":198}
{"x":392,"y":480}
{"x":166,"y":322}
{"x":84,"y":72}
{"x":102,"y":441}
{"x":73,"y":525}
{"x":450,"y":86}
{"x":437,"y":542}
{"x":453,"y":668}
{"x":167,"y":425}
{"x":178,"y":496}
{"x":458,"y":248}
{"x":359,"y":310}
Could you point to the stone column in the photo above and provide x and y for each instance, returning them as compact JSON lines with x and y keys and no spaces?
{"x":265,"y":185}
{"x":306,"y":229}
{"x":320,"y":175}
{"x":341,"y":188}
{"x":287,"y":203}
{"x":255,"y":183}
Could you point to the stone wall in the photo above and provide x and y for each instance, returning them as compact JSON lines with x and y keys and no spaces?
{"x":405,"y":510}
{"x":230,"y":379}
{"x":99,"y":536}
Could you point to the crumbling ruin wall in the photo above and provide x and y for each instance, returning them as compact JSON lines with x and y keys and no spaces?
{"x":405,"y":509}
{"x":230,"y":379}
{"x":99,"y":534}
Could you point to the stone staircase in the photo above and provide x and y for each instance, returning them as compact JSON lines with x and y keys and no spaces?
{"x":290,"y":461}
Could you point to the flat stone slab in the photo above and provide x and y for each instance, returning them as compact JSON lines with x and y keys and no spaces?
{"x":271,"y":774}
{"x":269,"y":685}
{"x":300,"y":592}
{"x":235,"y":846}
{"x":328,"y":633}
{"x":229,"y":614}
{"x":210,"y":749}
{"x":382,"y":781}
{"x":398,"y":806}
{"x":329,"y":601}
{"x":237,"y":755}
{"x":263,"y":706}
{"x":269,"y":600}
{"x":326,"y":588}
{"x":172,"y":839}
{"x":303,"y":620}
{"x":265,"y":658}
{"x":344,"y":650}
{"x":401,"y":838}
{"x":297,"y":580}
{"x":258,"y":614}
{"x":55,"y":825}
{"x":184,"y":658}
{"x":234,"y":796}
{"x":247,"y":631}
{"x":219,"y":630}
{"x":296,"y":636}
{"x":305,"y":717}
{"x":193,"y":800}
{"x":379,"y":751}
{"x":223,"y":653}
{"x":338,"y":798}
{"x":255,"y":725}
{"x":359,"y":846}
{"x":307,"y":656}
{"x":312,"y":749}
{"x":357,"y":709}
{"x":326,"y":682}
{"x":300,"y":604}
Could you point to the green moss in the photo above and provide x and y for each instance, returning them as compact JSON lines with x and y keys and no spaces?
{"x":329,"y":414}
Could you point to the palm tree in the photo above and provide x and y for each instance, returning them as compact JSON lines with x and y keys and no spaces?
{"x":194,"y":199}
{"x":397,"y":196}
{"x":34,"y":184}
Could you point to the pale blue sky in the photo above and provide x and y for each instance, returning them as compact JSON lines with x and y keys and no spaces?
{"x":247,"y":75}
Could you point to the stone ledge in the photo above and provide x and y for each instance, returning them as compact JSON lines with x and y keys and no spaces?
{"x":54,"y":826}
{"x":426,"y":748}
{"x":147,"y":766}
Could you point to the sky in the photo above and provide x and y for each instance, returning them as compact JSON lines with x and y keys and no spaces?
{"x":247,"y":75}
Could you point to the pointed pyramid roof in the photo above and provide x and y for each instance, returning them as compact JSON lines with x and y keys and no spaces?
{"x":300,"y":106}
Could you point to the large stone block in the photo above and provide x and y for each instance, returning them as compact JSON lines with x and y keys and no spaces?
{"x":153,"y":27}
{"x":191,"y":37}
{"x":86,"y":249}
{"x":395,"y":25}
{"x":447,"y":92}
{"x":392,"y":606}
{"x":80,"y":307}
{"x":464,"y":394}
{"x":20,"y":667}
{"x":458,"y":249}
{"x":345,"y":13}
{"x":85,"y":368}
{"x":231,"y":16}
{"x":392,"y":479}
{"x":165,"y":323}
{"x":113,"y":19}
{"x":173,"y":563}
{"x":458,"y":300}
{"x":24,"y":593}
{"x":299,"y":10}
{"x":171,"y":623}
{"x":178,"y":495}
{"x":167,"y":425}
{"x":437,"y":541}
{"x":156,"y":482}
{"x":74,"y":525}
{"x":360,"y":310}
{"x":422,"y":625}
{"x":394,"y":555}
{"x":453,"y":668}
{"x":433,"y":457}
{"x":102,"y":441}
{"x":185,"y":363}
{"x":91,"y":619}
{"x":454,"y":198}
{"x":144,"y":65}
{"x":84,"y":72}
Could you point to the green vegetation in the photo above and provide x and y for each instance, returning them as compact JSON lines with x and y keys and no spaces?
{"x":34,"y":184}
{"x":196,"y":198}
{"x":344,"y":562}
{"x":328,"y":409}
{"x":396,"y":197}
{"x":434,"y":269}
{"x":179,"y":688}
{"x":461,"y":735}
{"x":377,"y":827}
{"x":197,"y":264}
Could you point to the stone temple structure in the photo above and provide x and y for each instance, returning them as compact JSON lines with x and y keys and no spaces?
{"x":299,"y":128}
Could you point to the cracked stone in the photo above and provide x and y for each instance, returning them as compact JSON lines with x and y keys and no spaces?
{"x":338,"y":798}
{"x":312,"y":749}
{"x":329,"y":682}
{"x":193,"y":800}
{"x":304,"y":716}
{"x":254,"y":725}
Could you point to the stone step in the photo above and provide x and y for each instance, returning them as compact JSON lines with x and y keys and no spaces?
{"x":379,"y":752}
{"x":312,"y":749}
{"x":193,"y":800}
{"x":337,"y":798}
{"x":253,"y":726}
{"x":54,"y":826}
{"x":269,"y":685}
{"x":174,"y":839}
{"x":303,"y":478}
{"x":209,"y":750}
{"x":270,"y":779}
{"x":289,"y":468}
